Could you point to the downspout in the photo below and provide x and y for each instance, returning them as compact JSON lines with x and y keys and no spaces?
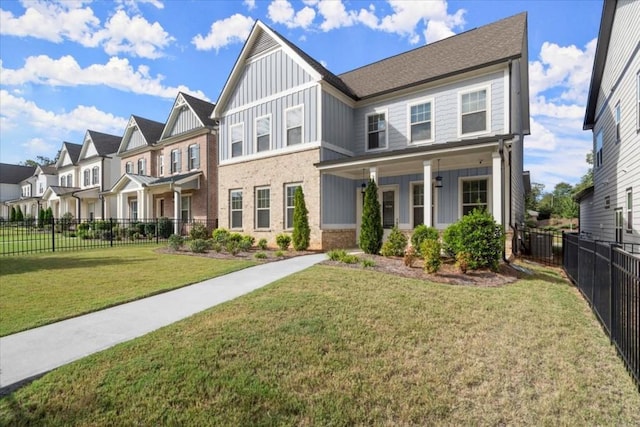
{"x":502,"y":193}
{"x":78,"y":211}
{"x":102,"y":201}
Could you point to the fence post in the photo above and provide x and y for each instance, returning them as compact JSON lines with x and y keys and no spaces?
{"x":53,"y":234}
{"x":111,"y":232}
{"x":611,"y":293}
{"x":157,"y":234}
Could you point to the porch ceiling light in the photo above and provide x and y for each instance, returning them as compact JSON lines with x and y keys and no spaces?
{"x":363,"y":186}
{"x":438,"y":177}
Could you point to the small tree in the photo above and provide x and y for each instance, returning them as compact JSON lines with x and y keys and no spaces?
{"x":371,"y":229}
{"x":49,"y":215}
{"x":41,"y":217}
{"x":301,"y":230}
{"x":12,"y":215}
{"x":19,"y":215}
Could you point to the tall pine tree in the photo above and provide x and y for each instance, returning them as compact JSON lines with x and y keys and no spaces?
{"x":371,"y":228}
{"x":12,"y":215}
{"x":301,"y":230}
{"x":19,"y":215}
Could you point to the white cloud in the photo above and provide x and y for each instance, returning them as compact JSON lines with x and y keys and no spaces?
{"x":68,"y":20}
{"x":133,"y":4}
{"x":282,"y":12}
{"x":234,"y":29}
{"x":117,"y":73}
{"x":335,"y":15}
{"x":81,"y":118}
{"x":251,"y":4}
{"x":541,"y":107}
{"x":37,"y":146}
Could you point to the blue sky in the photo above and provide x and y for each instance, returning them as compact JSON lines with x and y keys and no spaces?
{"x":74,"y":65}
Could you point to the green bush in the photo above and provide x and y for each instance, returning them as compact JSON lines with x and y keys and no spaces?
{"x":462,"y":261}
{"x":41,"y":218}
{"x":235,"y":237}
{"x":83,"y":226}
{"x":350,"y":259}
{"x":198,"y":231}
{"x":262,"y":244}
{"x":220,"y":235}
{"x":246,"y":243}
{"x":395,"y":244}
{"x":165,"y":227}
{"x":104,"y":225}
{"x":12,"y":214}
{"x":260,"y":255}
{"x":19,"y":214}
{"x":478,"y":234}
{"x":279,"y":254}
{"x":368,"y":263}
{"x":371,"y":231}
{"x":301,"y":230}
{"x":233,"y":247}
{"x":283,"y":241}
{"x":198,"y":246}
{"x":176,"y":242}
{"x":430,"y":250}
{"x":150,"y":229}
{"x":422,"y":233}
{"x":336,"y":254}
{"x":83,"y":234}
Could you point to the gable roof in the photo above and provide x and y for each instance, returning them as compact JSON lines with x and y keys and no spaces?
{"x":105,"y":143}
{"x":13,"y":174}
{"x":480,"y":47}
{"x":149,"y":129}
{"x":602,"y":47}
{"x":73,"y":150}
{"x":202,"y":110}
{"x":47,"y":169}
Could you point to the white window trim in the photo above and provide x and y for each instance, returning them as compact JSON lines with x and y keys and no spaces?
{"x":472,"y":89}
{"x":286,"y":129}
{"x":366,"y":130}
{"x":461,"y":179}
{"x":255,"y":133}
{"x":255,"y":208}
{"x":286,"y":207}
{"x":177,"y":162}
{"x":231,"y":210}
{"x":434,"y":201}
{"x":128,"y":167}
{"x":86,"y":177}
{"x":93,"y":175}
{"x":189,"y":213}
{"x":617,"y":118}
{"x":628,"y":210}
{"x":396,"y":201}
{"x":161,"y":165}
{"x":597,"y":163}
{"x":433,"y":133}
{"x":231,"y":127}
{"x":189,"y":156}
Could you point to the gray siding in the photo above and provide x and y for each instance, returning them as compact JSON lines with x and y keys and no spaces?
{"x":338,"y":200}
{"x":587,"y":218}
{"x":337,"y":121}
{"x":445,"y":112}
{"x":276,"y":108}
{"x":327,"y":154}
{"x":185,"y":122}
{"x":136,"y":140}
{"x":267,"y":76}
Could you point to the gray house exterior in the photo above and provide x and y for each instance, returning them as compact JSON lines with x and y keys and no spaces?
{"x":610,"y":210}
{"x":13,"y":179}
{"x":453,"y":112}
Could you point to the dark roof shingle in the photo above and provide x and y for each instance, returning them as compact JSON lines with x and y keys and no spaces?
{"x":13,"y":174}
{"x":150,"y":129}
{"x":73,"y":150}
{"x":105,"y":143}
{"x":203,"y":109}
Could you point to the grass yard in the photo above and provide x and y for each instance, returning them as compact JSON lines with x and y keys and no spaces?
{"x":44,"y":288}
{"x":332,"y":346}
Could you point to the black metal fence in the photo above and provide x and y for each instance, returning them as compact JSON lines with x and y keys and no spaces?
{"x":608,"y":275}
{"x":58,"y":234}
{"x":537,"y":244}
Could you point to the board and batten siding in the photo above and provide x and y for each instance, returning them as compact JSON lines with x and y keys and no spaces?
{"x":276,"y":108}
{"x":445,"y":112}
{"x":338,"y":200}
{"x":337,"y":121}
{"x":266,"y":76}
{"x":136,"y":140}
{"x":185,"y":122}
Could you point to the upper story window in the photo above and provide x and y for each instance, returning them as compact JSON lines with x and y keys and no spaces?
{"x":161,"y":164}
{"x":194,"y":156}
{"x":376,"y":131}
{"x":128,"y":168}
{"x":69,"y":180}
{"x":40,"y":188}
{"x":597,"y":157}
{"x":87,"y":177}
{"x":63,"y":181}
{"x":616,"y":116}
{"x":474,"y":117}
{"x":237,"y":132}
{"x":420,"y":120}
{"x":263,"y":133}
{"x":95,"y":175}
{"x":175,"y":161}
{"x":142,"y":166}
{"x":293,"y":120}
{"x":26,"y":191}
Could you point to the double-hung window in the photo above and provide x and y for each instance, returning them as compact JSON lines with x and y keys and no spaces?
{"x":128,"y":168}
{"x":263,"y":133}
{"x":474,"y":195}
{"x":597,"y":157}
{"x":161,"y":164}
{"x":293,"y":119}
{"x":185,"y":208}
{"x":63,"y":181}
{"x":175,"y":161}
{"x":235,"y":207}
{"x":141,"y":166}
{"x":263,"y":206}
{"x":70,"y":180}
{"x":237,"y":132}
{"x":420,"y":122}
{"x":376,"y":131}
{"x":616,"y":116}
{"x":194,"y":156}
{"x":133,"y":209}
{"x":95,"y":178}
{"x":87,"y":177}
{"x":629,"y":210}
{"x":473,"y":112}
{"x":289,"y":204}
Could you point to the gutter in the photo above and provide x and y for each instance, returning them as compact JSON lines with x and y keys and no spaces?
{"x":502,"y":193}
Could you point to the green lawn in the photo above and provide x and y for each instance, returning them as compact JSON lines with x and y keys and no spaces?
{"x":44,"y":288}
{"x":332,"y":346}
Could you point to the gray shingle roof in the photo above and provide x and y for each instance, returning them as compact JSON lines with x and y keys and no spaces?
{"x":61,"y":191}
{"x":203,"y":109}
{"x":13,"y":174}
{"x":49,"y":169}
{"x":151,"y":129}
{"x":174,"y":178}
{"x":105,"y":143}
{"x":482,"y":46}
{"x":73,"y":150}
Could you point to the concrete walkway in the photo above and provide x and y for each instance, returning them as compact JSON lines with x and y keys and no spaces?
{"x":31,"y":353}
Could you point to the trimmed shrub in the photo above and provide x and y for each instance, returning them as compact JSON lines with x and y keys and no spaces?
{"x":301,"y":230}
{"x":462,"y":261}
{"x":260,"y":255}
{"x":420,"y":234}
{"x":336,"y":254}
{"x":233,"y":247}
{"x":478,"y":234}
{"x":368,"y":263}
{"x":19,"y":215}
{"x":12,"y":214}
{"x":165,"y":227}
{"x":262,"y":244}
{"x":395,"y":244}
{"x":83,"y":226}
{"x":350,"y":259}
{"x":431,"y":252}
{"x":283,"y":241}
{"x":246,"y":243}
{"x":176,"y":242}
{"x":220,"y":235}
{"x":198,"y":246}
{"x":41,"y":219}
{"x":279,"y":254}
{"x":371,"y":229}
{"x":198,"y":231}
{"x":235,"y":237}
{"x":150,"y":229}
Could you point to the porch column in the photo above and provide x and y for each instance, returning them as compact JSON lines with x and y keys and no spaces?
{"x":121,"y":201}
{"x":373,"y":174}
{"x":176,"y":211}
{"x":496,"y":193}
{"x":428,"y":221}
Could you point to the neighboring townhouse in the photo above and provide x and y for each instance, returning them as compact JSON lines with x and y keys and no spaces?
{"x":32,"y":190}
{"x":170,"y":170}
{"x":12,"y":187}
{"x":610,"y":210}
{"x":439,"y":129}
{"x":59,"y":196}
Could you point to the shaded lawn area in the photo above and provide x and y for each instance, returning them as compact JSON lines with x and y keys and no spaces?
{"x":332,"y":346}
{"x":44,"y":288}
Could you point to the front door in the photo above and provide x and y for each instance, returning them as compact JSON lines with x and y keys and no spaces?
{"x":389,"y":209}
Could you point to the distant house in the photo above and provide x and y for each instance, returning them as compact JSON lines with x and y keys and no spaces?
{"x":169,"y":170}
{"x":59,"y":196}
{"x":13,"y":185}
{"x":439,"y":128}
{"x":32,"y":190}
{"x":610,"y":210}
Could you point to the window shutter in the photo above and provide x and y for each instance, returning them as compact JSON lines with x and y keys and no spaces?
{"x":179,"y":160}
{"x":197,"y":156}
